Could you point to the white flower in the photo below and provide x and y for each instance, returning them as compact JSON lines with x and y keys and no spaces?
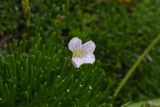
{"x":82,"y":53}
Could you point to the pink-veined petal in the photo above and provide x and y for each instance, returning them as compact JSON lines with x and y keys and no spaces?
{"x":77,"y":62}
{"x":89,"y":47}
{"x":75,"y":44}
{"x":89,"y":58}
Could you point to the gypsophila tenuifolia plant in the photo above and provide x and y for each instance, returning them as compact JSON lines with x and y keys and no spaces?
{"x":122,"y":31}
{"x":46,"y":77}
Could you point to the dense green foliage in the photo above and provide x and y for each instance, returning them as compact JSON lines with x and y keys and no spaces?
{"x":45,"y":75}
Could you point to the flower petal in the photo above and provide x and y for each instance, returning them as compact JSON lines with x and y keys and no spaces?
{"x":77,"y":62}
{"x":75,"y":44}
{"x":89,"y":58}
{"x":89,"y":47}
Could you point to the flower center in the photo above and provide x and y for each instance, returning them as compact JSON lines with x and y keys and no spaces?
{"x":78,"y":53}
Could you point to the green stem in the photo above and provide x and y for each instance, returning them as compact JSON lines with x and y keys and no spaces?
{"x":28,"y":34}
{"x":27,"y":12}
{"x":133,"y":68}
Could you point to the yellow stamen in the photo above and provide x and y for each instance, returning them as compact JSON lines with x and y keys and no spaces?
{"x":78,"y":53}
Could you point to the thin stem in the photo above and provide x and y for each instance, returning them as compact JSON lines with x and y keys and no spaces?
{"x":27,"y":12}
{"x":28,"y":28}
{"x":28,"y":39}
{"x":133,"y":68}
